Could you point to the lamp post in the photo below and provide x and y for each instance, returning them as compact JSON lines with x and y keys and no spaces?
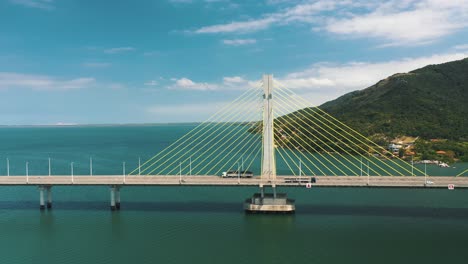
{"x":412,"y":166}
{"x":368,"y":175}
{"x":180,"y":172}
{"x":242,"y":163}
{"x":8,"y":166}
{"x":238,"y":173}
{"x":90,"y":166}
{"x":71,"y":168}
{"x":300,"y":168}
{"x":139,"y":166}
{"x":367,"y":167}
{"x":368,"y":179}
{"x":49,"y":167}
{"x":361,"y":166}
{"x":27,"y":172}
{"x":425,"y":173}
{"x":123,"y":171}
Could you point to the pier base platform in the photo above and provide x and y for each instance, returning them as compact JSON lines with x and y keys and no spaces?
{"x":269,"y":203}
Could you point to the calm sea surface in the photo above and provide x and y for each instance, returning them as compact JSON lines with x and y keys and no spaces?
{"x":207,"y":224}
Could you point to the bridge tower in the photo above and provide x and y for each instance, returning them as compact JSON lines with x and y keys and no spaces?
{"x":268,"y":202}
{"x":268,"y":161}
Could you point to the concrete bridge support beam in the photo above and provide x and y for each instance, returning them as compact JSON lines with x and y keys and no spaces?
{"x":49,"y":197}
{"x":117,"y":198}
{"x":112,"y":197}
{"x":41,"y":198}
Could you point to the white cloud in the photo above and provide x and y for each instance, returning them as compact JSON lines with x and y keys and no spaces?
{"x":39,"y":4}
{"x":234,"y":80}
{"x":181,"y":1}
{"x":187,"y":84}
{"x":151,"y":83}
{"x":228,"y":83}
{"x":461,"y":47}
{"x":118,"y":50}
{"x":238,"y":83}
{"x":96,"y":64}
{"x":239,"y":27}
{"x":277,"y":2}
{"x":10,"y":80}
{"x":302,"y":12}
{"x":239,"y":42}
{"x":151,"y":53}
{"x":194,"y":1}
{"x":394,"y":22}
{"x":327,"y":81}
{"x":65,"y":124}
{"x":242,"y":112}
{"x":413,"y":23}
{"x":308,"y":82}
{"x":305,"y":12}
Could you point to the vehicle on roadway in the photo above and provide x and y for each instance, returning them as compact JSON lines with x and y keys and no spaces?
{"x":237,"y":174}
{"x":301,"y":179}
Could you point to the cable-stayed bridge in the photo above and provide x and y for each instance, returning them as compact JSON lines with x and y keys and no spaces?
{"x":267,"y":137}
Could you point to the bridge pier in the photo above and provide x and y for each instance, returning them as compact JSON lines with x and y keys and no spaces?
{"x":41,"y":198}
{"x":115,"y":198}
{"x":49,"y":197}
{"x":112,"y":198}
{"x":45,"y":192}
{"x":269,"y":202}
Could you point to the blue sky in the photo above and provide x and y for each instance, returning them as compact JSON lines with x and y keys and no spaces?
{"x":83,"y":61}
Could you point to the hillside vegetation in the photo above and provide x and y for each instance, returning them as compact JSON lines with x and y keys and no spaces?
{"x":428,"y":103}
{"x":431,"y":102}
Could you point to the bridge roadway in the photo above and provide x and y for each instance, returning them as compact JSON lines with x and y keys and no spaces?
{"x":160,"y":180}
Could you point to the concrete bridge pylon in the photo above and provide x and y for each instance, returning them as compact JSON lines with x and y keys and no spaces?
{"x":268,"y":160}
{"x":265,"y":202}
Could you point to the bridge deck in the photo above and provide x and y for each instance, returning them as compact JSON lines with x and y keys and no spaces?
{"x":322,"y":181}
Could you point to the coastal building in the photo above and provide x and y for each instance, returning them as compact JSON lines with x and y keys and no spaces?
{"x":407,"y":143}
{"x":394,"y":148}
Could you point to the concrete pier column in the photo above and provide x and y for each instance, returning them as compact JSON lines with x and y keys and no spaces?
{"x":112,"y":196}
{"x":274,"y":191}
{"x":117,"y":198}
{"x":41,"y":198}
{"x":262,"y":191}
{"x":49,"y":197}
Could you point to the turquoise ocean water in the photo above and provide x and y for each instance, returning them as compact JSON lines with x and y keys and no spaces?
{"x":207,"y":224}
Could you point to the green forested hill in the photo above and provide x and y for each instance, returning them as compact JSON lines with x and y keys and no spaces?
{"x":431,"y":102}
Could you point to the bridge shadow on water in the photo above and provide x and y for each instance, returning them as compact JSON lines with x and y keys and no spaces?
{"x":236,"y":208}
{"x":389,"y":211}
